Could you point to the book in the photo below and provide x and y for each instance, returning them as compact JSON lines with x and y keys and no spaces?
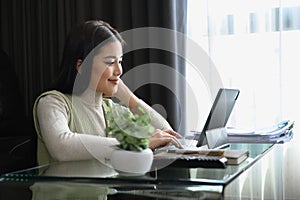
{"x":235,"y":157}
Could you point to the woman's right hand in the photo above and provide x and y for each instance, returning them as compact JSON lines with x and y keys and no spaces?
{"x":162,"y":138}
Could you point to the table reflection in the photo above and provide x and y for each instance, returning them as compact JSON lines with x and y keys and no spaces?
{"x":85,"y":168}
{"x":73,"y":190}
{"x":68,"y":190}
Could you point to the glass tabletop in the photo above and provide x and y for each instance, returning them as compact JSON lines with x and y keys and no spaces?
{"x":92,"y":179}
{"x":93,"y":171}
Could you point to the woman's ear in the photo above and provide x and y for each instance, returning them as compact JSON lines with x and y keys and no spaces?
{"x":78,"y":65}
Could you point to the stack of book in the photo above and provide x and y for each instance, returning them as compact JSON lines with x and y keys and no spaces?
{"x":235,"y":157}
{"x":279,"y":133}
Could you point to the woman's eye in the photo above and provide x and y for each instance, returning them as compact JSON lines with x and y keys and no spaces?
{"x":109,"y":63}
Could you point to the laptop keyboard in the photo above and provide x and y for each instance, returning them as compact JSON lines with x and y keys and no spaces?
{"x":186,"y":144}
{"x":189,"y":161}
{"x":186,"y":160}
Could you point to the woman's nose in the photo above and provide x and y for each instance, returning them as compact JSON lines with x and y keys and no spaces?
{"x":118,"y":68}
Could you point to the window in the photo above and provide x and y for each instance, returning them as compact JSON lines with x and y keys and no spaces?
{"x":253,"y":45}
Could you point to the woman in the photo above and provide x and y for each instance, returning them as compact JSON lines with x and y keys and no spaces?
{"x":69,"y":119}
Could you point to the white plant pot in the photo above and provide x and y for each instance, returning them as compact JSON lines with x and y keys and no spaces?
{"x":132,"y":163}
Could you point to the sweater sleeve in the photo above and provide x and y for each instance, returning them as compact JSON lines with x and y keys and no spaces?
{"x":60,"y":141}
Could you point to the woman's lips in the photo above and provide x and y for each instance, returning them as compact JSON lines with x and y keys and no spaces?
{"x":114,"y":81}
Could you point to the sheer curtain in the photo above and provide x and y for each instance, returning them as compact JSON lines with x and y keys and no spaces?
{"x":253,"y":46}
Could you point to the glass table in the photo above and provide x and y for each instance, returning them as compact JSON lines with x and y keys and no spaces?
{"x":93,"y":180}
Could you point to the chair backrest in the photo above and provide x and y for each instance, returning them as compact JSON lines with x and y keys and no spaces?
{"x":10,"y":100}
{"x":17,"y":134}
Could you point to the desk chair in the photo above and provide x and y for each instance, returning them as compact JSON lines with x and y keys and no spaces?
{"x":17,"y":135}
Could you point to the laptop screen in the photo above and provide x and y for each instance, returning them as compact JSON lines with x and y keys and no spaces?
{"x":220,"y":112}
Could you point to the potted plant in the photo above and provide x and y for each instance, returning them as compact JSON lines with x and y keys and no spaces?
{"x":133,"y":155}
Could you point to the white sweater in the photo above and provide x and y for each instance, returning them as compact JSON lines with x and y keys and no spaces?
{"x":65,"y":145}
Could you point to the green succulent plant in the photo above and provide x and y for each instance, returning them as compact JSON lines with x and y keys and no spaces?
{"x":131,"y":130}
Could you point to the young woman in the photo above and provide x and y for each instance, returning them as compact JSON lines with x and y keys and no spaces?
{"x":91,"y":70}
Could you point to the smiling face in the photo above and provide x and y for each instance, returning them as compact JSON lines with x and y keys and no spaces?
{"x":107,"y":69}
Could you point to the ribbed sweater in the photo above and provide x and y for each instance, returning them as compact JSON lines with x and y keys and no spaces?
{"x":73,"y":127}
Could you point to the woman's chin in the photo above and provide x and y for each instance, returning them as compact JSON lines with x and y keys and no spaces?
{"x":108,"y":94}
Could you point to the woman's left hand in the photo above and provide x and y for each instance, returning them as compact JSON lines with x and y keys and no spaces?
{"x":164,"y":137}
{"x":126,"y":96}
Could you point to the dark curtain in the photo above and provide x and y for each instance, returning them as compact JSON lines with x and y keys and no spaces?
{"x":33,"y":34}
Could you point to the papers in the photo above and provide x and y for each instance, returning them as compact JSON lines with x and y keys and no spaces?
{"x":279,"y":133}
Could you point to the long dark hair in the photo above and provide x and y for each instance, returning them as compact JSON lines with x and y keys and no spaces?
{"x":81,"y":41}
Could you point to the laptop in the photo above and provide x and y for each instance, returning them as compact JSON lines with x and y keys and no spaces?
{"x":213,"y":133}
{"x":213,"y":136}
